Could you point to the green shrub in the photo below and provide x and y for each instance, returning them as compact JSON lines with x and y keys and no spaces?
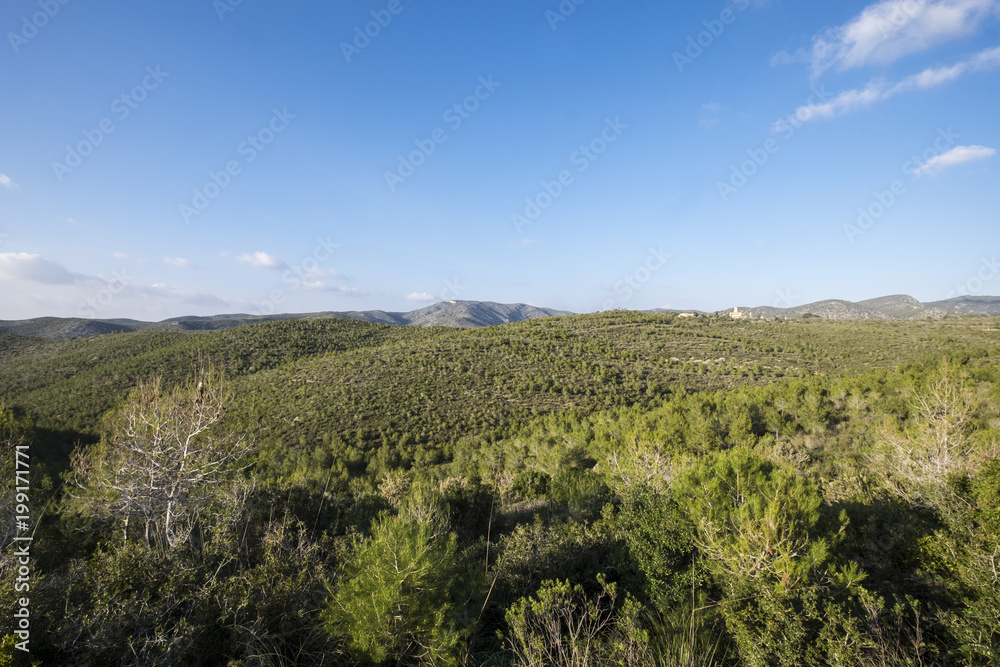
{"x":397,"y":598}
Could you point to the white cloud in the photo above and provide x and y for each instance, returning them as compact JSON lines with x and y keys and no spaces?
{"x":178,"y":263}
{"x":6,"y":182}
{"x":315,"y":280}
{"x":321,"y":286}
{"x":879,"y":90}
{"x":422,"y":297}
{"x":345,"y":291}
{"x":886,"y":31}
{"x":34,"y":268}
{"x":786,"y":58}
{"x":261,"y":260}
{"x":956,"y":156}
{"x":62,"y":293}
{"x":710,"y":114}
{"x":846,"y":101}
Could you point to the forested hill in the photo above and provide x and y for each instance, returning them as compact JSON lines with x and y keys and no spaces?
{"x":463,"y":314}
{"x":682,"y":491}
{"x":305,"y":381}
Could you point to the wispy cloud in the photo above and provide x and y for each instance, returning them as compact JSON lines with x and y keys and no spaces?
{"x":879,"y":90}
{"x":173,"y":295}
{"x":956,"y":156}
{"x":710,"y":114}
{"x":888,"y":30}
{"x":261,"y":260}
{"x":178,"y":263}
{"x":344,"y":291}
{"x":59,"y":290}
{"x":422,"y":297}
{"x":323,"y":286}
{"x":6,"y":182}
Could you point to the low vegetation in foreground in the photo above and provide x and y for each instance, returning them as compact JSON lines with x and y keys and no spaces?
{"x":615,"y":489}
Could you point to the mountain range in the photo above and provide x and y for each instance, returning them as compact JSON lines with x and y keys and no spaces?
{"x":895,"y":307}
{"x":462,"y":314}
{"x":475,"y":314}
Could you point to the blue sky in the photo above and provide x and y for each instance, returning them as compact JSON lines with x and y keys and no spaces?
{"x":199,"y":157}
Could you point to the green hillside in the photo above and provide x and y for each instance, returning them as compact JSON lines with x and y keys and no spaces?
{"x":686,"y":491}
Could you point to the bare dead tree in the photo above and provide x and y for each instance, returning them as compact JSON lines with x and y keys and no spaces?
{"x":916,"y":461}
{"x":163,"y":457}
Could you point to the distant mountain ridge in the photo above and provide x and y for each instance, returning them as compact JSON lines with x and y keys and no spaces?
{"x":461,"y":314}
{"x":476,"y":314}
{"x":894,"y":307}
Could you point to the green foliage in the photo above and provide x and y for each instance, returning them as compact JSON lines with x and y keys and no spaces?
{"x":530,"y":484}
{"x":755,"y":524}
{"x":761,"y":493}
{"x":14,"y":432}
{"x":249,"y":595}
{"x":985,"y":491}
{"x":753,"y":518}
{"x":11,"y":656}
{"x":396,"y":597}
{"x":582,"y":492}
{"x":538,"y":551}
{"x":389,"y":395}
{"x":661,"y":542}
{"x":562,"y":627}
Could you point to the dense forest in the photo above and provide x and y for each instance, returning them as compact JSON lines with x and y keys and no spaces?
{"x":610,"y":489}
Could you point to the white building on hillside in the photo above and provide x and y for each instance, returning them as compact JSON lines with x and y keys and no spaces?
{"x":738,"y":314}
